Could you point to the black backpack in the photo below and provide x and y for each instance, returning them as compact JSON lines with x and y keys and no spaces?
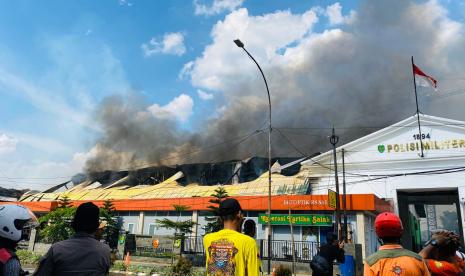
{"x":320,"y":265}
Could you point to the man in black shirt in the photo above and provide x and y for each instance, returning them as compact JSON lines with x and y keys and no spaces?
{"x":81,"y":254}
{"x":332,"y":250}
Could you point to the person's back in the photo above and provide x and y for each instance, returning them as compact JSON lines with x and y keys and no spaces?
{"x":229,"y":252}
{"x":81,"y":254}
{"x":391,"y":258}
{"x":331,"y":251}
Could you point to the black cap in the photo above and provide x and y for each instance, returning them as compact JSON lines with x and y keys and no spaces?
{"x":229,"y":206}
{"x":86,"y":217}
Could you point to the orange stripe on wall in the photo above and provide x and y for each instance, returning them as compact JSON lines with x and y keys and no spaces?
{"x":355,"y":202}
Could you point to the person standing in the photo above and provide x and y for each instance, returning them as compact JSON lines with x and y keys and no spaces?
{"x":82,"y":254}
{"x":13,"y":220}
{"x":392,"y":258}
{"x":228,"y":251}
{"x":322,"y":263}
{"x":250,"y":228}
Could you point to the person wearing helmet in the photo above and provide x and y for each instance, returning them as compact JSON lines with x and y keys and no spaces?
{"x":13,"y":220}
{"x":391,"y":258}
{"x":440,"y":254}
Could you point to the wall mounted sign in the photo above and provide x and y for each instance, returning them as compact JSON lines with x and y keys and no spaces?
{"x":332,"y":199}
{"x":309,"y":220}
{"x":427,"y":145}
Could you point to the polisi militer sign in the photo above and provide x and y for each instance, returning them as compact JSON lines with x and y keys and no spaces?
{"x":309,"y":220}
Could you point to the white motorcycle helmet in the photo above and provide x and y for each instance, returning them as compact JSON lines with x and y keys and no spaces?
{"x":13,"y":219}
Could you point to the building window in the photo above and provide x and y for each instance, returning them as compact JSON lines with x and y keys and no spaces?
{"x":152,"y":228}
{"x":131,"y":228}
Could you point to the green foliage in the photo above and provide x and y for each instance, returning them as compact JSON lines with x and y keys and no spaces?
{"x":181,"y":228}
{"x":56,"y":225}
{"x":108,"y":206}
{"x":182,"y":268}
{"x":156,"y":268}
{"x":180,"y":208}
{"x":214,"y":223}
{"x":28,"y":257}
{"x":141,"y":268}
{"x":119,"y":266}
{"x":64,"y":202}
{"x":283,"y":271}
{"x":110,"y":232}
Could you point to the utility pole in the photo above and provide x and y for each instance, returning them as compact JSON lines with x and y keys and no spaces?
{"x":344,"y":196}
{"x":333,"y":140}
{"x":292,"y":241}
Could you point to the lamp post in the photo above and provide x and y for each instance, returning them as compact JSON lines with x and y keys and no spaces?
{"x":241,"y":45}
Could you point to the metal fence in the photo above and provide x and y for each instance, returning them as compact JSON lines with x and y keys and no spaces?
{"x":193,"y":245}
{"x":280,"y":250}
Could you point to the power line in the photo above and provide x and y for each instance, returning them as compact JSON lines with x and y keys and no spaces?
{"x":367,"y":127}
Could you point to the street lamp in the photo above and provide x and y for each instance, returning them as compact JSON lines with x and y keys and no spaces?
{"x":241,"y":45}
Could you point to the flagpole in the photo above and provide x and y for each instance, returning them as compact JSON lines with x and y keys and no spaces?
{"x":418,"y":110}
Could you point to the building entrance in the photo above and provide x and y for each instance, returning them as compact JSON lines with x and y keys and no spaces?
{"x":424,"y":212}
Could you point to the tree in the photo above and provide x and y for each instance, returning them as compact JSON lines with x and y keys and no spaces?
{"x":214,"y":223}
{"x":110,"y":232}
{"x":108,"y":206}
{"x":56,"y":225}
{"x":64,"y":202}
{"x":180,"y":227}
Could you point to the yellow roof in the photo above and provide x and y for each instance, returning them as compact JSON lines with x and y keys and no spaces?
{"x":170,"y":188}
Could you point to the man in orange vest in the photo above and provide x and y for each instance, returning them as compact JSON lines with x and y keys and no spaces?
{"x":391,"y":258}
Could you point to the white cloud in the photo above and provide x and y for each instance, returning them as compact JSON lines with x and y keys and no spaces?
{"x":179,"y":108}
{"x":124,"y":3}
{"x":360,"y":70}
{"x":7,"y":144}
{"x":204,"y":95}
{"x":223,"y":65}
{"x":41,"y":175}
{"x":218,"y":6}
{"x":172,"y":43}
{"x":334,"y":14}
{"x":186,"y":70}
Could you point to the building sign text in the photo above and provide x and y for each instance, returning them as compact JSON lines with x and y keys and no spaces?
{"x":282,"y":219}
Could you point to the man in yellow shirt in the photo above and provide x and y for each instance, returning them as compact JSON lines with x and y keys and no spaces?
{"x":228,"y":251}
{"x":391,"y":258}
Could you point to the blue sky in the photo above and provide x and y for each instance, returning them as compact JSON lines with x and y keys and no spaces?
{"x":60,"y":59}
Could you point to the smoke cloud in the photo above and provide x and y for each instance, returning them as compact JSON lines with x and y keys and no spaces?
{"x":354,"y":74}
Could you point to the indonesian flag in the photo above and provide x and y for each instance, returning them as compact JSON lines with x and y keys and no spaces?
{"x":422,"y":79}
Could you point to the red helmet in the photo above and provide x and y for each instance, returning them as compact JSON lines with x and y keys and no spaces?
{"x":388,"y":225}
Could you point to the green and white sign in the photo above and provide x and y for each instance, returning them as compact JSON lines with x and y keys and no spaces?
{"x":309,"y":220}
